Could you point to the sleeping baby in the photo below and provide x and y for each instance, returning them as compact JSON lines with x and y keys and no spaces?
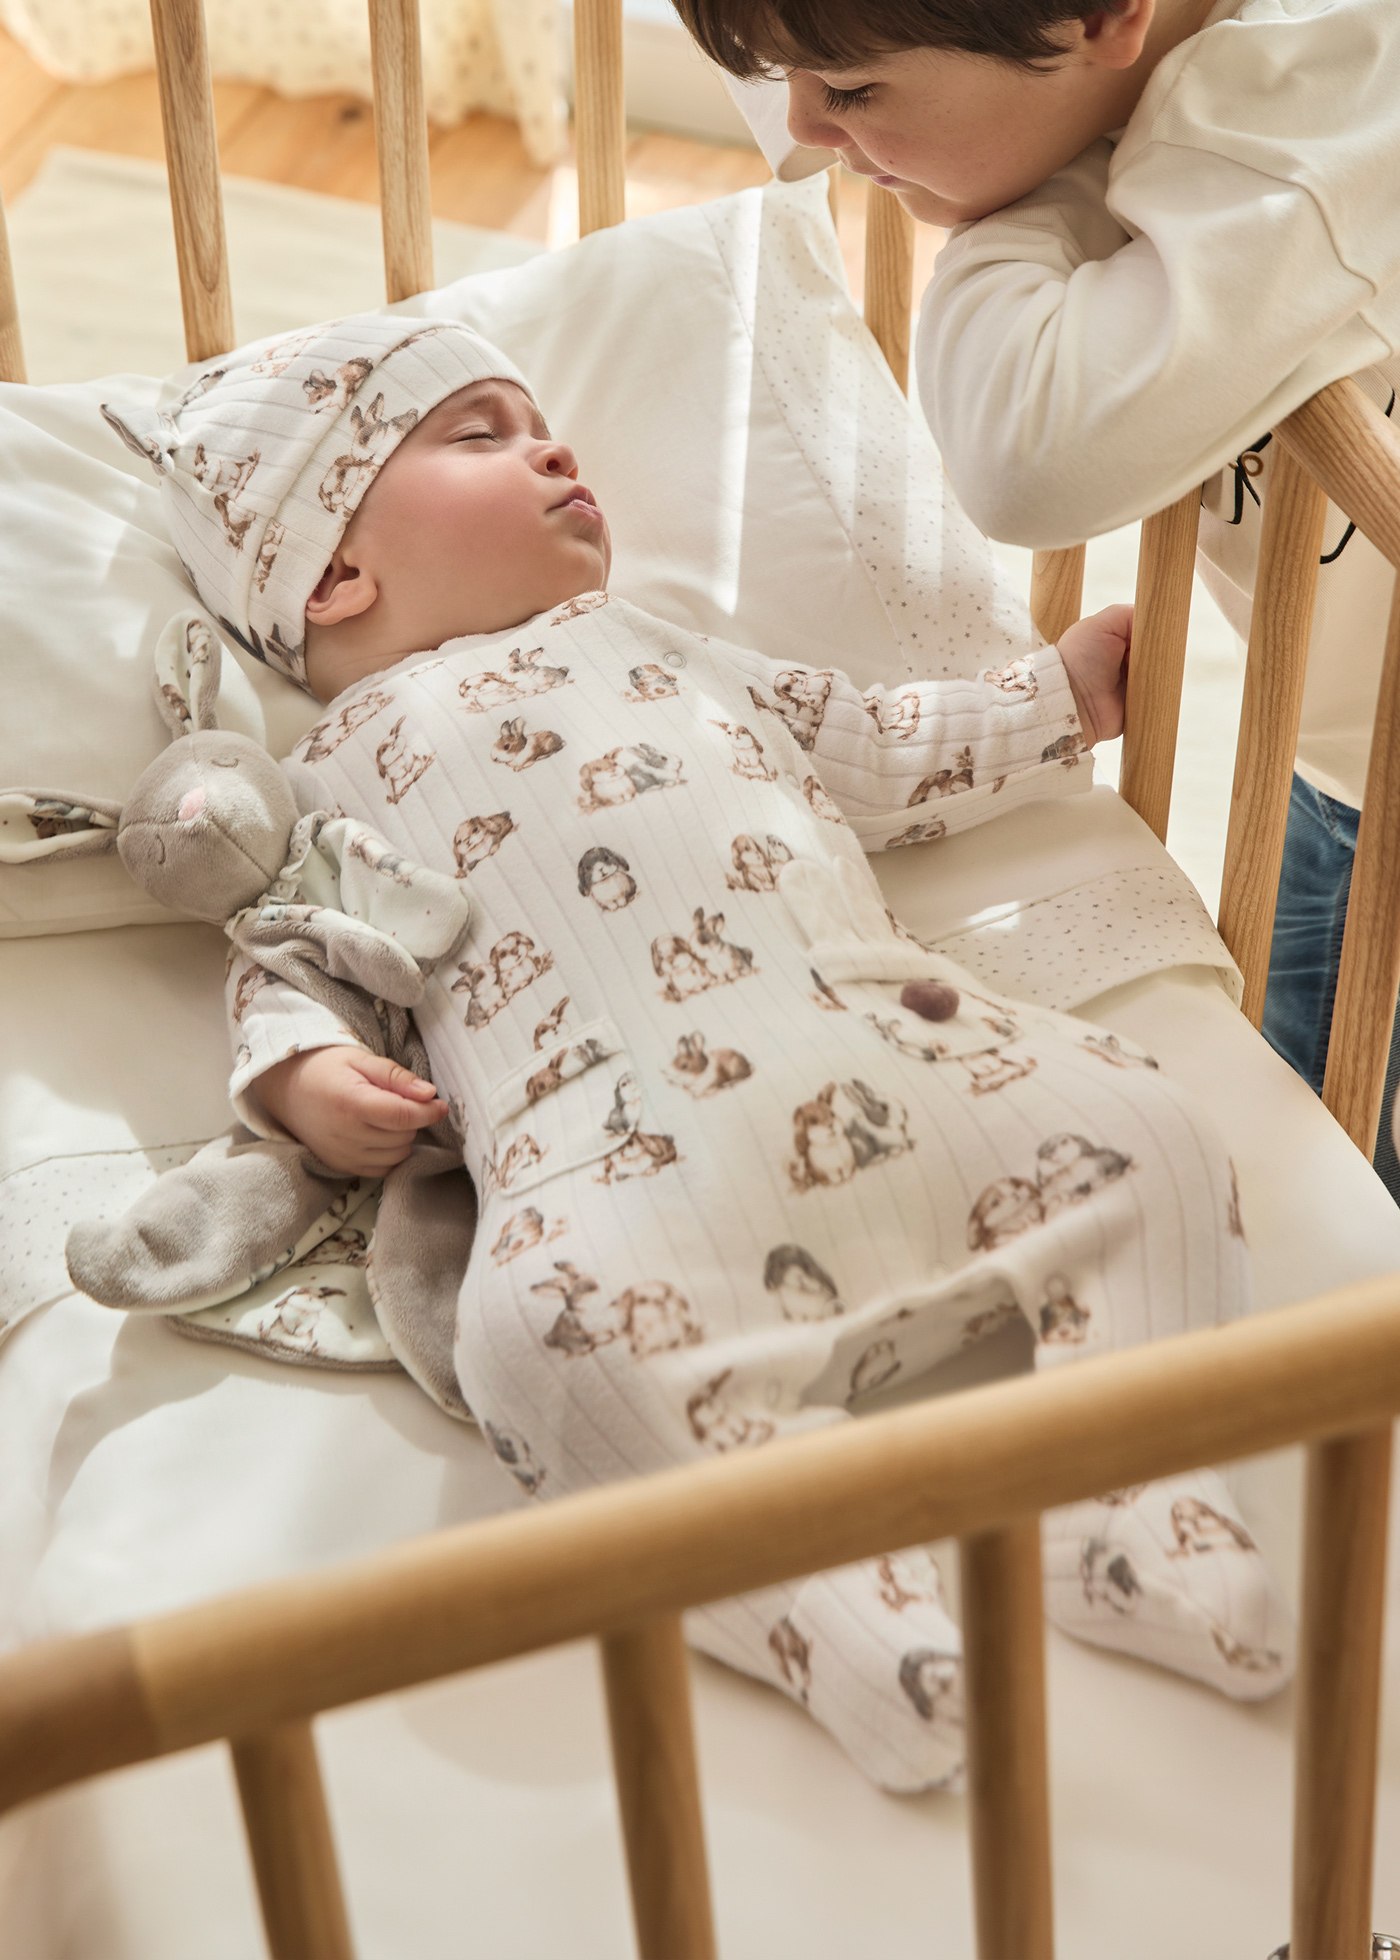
{"x":746,"y":1151}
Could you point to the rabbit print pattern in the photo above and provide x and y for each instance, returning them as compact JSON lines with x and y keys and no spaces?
{"x":730,"y":1187}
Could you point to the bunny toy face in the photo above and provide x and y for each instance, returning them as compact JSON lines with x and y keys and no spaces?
{"x":208,"y":825}
{"x":212,"y":829}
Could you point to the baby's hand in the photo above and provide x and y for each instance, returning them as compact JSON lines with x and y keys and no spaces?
{"x":356,"y":1111}
{"x":1095,"y":652}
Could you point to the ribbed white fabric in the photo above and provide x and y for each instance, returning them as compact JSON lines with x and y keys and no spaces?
{"x":729,"y":1186}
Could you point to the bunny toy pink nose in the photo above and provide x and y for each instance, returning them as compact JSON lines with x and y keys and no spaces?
{"x":934,"y":999}
{"x":191,"y":803}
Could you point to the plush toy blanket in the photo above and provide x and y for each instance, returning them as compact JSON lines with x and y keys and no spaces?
{"x":252,"y":1240}
{"x":251,"y":1243}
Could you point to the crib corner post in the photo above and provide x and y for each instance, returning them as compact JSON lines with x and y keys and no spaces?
{"x":1339,"y":1688}
{"x":291,"y":1843}
{"x":600,"y":114}
{"x":11,"y":348}
{"x":658,"y":1792}
{"x":1008,"y":1776}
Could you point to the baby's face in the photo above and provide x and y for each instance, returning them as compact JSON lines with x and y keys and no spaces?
{"x":477,"y":521}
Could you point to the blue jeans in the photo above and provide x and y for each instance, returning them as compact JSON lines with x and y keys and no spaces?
{"x":1318,"y":851}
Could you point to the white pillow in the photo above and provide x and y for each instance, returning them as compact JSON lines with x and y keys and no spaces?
{"x":764,"y":478}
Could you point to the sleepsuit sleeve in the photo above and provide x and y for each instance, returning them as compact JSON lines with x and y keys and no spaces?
{"x":940,"y":755}
{"x":270,"y":1020}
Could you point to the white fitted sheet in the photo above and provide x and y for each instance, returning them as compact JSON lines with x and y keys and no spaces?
{"x":143,"y":1471}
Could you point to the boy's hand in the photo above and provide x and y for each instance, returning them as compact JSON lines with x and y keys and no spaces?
{"x":1095,"y":652}
{"x":355,"y":1110}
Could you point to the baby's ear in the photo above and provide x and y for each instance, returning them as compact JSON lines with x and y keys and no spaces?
{"x":343,"y":592}
{"x":187,"y":675}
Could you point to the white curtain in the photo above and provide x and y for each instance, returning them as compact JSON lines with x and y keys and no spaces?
{"x":501,"y":55}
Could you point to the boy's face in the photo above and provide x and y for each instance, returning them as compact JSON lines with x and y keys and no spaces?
{"x":476,"y":522}
{"x":957,"y":136}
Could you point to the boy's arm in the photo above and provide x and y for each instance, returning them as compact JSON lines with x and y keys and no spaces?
{"x":927,"y":758}
{"x":1094,"y":351}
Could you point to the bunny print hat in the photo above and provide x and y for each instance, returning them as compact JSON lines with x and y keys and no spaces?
{"x":264,"y":458}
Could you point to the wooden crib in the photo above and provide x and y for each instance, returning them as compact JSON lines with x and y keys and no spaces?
{"x":621,"y":1564}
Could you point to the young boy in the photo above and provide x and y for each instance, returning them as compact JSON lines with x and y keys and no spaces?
{"x":1175,"y":220}
{"x":744,"y":1149}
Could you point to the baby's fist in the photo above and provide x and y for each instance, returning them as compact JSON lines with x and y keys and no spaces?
{"x":356,"y":1111}
{"x":1095,"y":653}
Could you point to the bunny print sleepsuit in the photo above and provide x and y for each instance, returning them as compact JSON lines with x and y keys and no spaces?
{"x":730,"y":1186}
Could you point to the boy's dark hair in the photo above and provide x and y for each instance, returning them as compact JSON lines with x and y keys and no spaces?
{"x":750,"y":37}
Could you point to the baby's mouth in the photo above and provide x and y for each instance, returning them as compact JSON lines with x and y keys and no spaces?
{"x":582,"y":501}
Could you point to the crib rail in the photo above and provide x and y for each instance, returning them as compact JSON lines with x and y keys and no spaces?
{"x":192,"y":165}
{"x":401,"y":142}
{"x":12,"y":366}
{"x":401,"y":139}
{"x":622,"y":1563}
{"x":1337,"y":445}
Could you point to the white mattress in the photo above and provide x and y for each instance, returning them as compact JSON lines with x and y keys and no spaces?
{"x":142,"y":1471}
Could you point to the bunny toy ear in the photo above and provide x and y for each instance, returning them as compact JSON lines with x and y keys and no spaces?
{"x":41,"y":823}
{"x":37,"y":823}
{"x":187,"y":675}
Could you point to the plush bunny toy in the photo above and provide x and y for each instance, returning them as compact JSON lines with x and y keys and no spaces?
{"x":212,"y":828}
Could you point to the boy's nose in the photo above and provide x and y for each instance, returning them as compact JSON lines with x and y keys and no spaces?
{"x":808,"y":121}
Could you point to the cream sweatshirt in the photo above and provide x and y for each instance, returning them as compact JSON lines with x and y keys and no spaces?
{"x":1089,"y":353}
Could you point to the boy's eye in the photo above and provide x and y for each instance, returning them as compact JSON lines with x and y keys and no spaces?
{"x":846,"y":98}
{"x":476,"y":435}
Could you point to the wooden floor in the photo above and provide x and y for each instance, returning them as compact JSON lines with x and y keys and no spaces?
{"x":480,"y":173}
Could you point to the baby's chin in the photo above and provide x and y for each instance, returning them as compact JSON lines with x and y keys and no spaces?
{"x":334,"y":664}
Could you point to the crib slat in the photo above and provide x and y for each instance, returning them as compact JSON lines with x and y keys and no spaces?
{"x":1057,"y":589}
{"x":658,"y":1791}
{"x":1338,"y":1709}
{"x":1284,"y":586}
{"x":600,"y":123}
{"x":889,"y":277}
{"x":1162,"y":613}
{"x":1369,"y":974}
{"x":12,"y":366}
{"x":192,"y":164}
{"x":293,"y":1851}
{"x":1354,"y":453}
{"x":1008,"y":1786}
{"x":401,"y":143}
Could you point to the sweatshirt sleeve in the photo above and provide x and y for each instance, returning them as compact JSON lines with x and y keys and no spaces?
{"x":921,"y":760}
{"x":1089,"y":354}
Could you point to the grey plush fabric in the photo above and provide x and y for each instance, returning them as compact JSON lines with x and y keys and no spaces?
{"x":212,"y":828}
{"x":245,"y":1206}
